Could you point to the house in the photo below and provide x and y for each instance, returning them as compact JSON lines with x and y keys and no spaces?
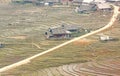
{"x":54,"y":1}
{"x":66,"y":2}
{"x":104,"y":6}
{"x":103,"y":37}
{"x":71,"y":28}
{"x":99,"y":1}
{"x":77,"y":2}
{"x":57,"y":33}
{"x":116,"y":2}
{"x":25,"y":1}
{"x":85,"y":8}
{"x":61,"y":32}
{"x":113,"y":0}
{"x":34,"y":2}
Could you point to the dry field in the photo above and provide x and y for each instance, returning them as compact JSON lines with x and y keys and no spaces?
{"x":21,"y":26}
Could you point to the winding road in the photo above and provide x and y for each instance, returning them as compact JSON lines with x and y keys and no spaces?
{"x":27,"y":60}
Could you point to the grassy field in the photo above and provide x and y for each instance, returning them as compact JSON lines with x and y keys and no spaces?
{"x":30,"y":22}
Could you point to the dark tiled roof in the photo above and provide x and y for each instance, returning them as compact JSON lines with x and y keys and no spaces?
{"x":59,"y":31}
{"x":64,"y":29}
{"x":70,"y":27}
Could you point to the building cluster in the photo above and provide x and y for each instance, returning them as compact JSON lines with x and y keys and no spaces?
{"x":86,"y":6}
{"x":82,"y":6}
{"x":68,"y":2}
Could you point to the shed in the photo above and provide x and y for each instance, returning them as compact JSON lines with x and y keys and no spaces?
{"x":103,"y":37}
{"x":100,"y":1}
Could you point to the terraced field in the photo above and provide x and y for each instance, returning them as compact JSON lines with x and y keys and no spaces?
{"x":22,"y":29}
{"x":99,"y":68}
{"x":23,"y":26}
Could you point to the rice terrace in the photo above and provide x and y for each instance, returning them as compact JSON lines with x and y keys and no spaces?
{"x":59,"y":38}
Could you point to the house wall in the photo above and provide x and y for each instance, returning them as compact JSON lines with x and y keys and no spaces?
{"x":61,"y":36}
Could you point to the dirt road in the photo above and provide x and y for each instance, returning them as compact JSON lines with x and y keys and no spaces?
{"x":25,"y":61}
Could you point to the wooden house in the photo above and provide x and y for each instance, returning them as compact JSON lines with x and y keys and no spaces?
{"x":57,"y":33}
{"x":61,"y":32}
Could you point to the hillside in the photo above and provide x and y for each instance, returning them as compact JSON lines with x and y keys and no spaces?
{"x":22,"y":26}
